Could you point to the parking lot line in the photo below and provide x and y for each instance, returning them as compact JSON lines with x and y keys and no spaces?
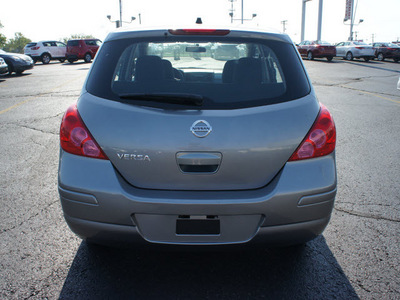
{"x":373,"y":94}
{"x":35,"y":97}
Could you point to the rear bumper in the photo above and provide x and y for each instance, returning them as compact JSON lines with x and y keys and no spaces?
{"x":100,"y":206}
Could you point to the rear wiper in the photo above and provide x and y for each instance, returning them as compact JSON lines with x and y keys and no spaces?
{"x":179,"y":98}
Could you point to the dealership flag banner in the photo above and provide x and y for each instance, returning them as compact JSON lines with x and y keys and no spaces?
{"x":349,"y":4}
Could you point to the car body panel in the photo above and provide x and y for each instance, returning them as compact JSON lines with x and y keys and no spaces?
{"x":141,"y":131}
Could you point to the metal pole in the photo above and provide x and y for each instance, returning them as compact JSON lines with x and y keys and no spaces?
{"x":303,"y":19}
{"x":320,"y":20}
{"x":242,"y":11}
{"x":120,"y":14}
{"x":351,"y":20}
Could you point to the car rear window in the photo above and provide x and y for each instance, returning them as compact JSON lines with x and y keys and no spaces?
{"x":73,"y":43}
{"x":225,"y":73}
{"x":30,"y":45}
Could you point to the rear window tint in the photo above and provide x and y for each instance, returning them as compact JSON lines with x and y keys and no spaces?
{"x":30,"y":45}
{"x":228,"y":74}
{"x":73,"y":43}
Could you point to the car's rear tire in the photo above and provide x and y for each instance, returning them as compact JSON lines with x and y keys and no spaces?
{"x":310,"y":56}
{"x":329,"y":58}
{"x":366,"y":59}
{"x":349,"y":56}
{"x":46,"y":58}
{"x":396,"y":60}
{"x":62,"y":60}
{"x":71,"y":61}
{"x":87,"y":58}
{"x":380,"y":56}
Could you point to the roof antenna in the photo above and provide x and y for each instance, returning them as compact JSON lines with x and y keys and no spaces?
{"x":199,"y":21}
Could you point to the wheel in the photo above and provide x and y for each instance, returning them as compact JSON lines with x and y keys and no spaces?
{"x":62,"y":60}
{"x":349,"y":56}
{"x":396,"y":60}
{"x":380,"y":56}
{"x":87,"y":58}
{"x":71,"y":61}
{"x":46,"y":58}
{"x":310,"y":56}
{"x":366,"y":59}
{"x":329,"y":58}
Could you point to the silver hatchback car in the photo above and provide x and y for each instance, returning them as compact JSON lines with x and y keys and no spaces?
{"x":171,"y":144}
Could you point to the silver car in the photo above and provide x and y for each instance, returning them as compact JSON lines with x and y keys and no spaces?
{"x":189,"y":149}
{"x":352,"y":49}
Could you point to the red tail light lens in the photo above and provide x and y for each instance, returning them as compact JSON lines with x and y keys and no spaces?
{"x":75,"y":138}
{"x":35,"y":48}
{"x":360,"y":48}
{"x":320,"y":140}
{"x":197,"y":31}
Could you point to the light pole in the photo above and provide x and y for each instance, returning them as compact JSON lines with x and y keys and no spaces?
{"x":284,"y":22}
{"x":118,"y":23}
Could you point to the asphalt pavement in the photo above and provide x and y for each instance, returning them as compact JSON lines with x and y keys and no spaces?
{"x":358,"y":256}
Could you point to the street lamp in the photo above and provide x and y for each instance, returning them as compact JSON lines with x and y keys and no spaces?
{"x":119,"y":22}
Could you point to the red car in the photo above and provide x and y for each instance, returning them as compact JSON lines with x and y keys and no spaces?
{"x":316,"y":49}
{"x":85,"y":49}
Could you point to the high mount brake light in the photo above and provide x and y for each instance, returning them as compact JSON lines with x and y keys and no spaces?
{"x":320,"y":140}
{"x":197,"y":31}
{"x":75,"y":138}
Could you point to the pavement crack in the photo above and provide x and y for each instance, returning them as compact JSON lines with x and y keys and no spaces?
{"x":363,"y":215}
{"x":35,"y":129}
{"x":5,"y":230}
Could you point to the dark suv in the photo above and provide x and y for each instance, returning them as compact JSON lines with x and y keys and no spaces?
{"x":82,"y":49}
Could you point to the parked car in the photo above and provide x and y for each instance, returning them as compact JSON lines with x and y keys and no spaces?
{"x":45,"y":51}
{"x":85,"y":49}
{"x":398,"y":84}
{"x":387,"y":50}
{"x":3,"y":67}
{"x":353,"y":49}
{"x":17,"y":63}
{"x":197,"y":152}
{"x":316,"y":49}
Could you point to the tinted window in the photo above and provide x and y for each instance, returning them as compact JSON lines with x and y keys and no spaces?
{"x":227,"y":74}
{"x":73,"y":43}
{"x":30,"y":45}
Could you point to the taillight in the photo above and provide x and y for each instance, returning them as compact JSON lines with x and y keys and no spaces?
{"x":320,"y":140}
{"x":360,"y":48}
{"x":75,"y":138}
{"x":35,"y":48}
{"x":198,"y":31}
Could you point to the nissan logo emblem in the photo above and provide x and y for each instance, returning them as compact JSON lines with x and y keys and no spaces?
{"x":201,"y":128}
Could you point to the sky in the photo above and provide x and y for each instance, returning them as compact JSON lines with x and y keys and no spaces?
{"x":55,"y":19}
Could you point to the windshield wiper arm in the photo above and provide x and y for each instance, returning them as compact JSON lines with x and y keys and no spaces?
{"x":179,"y":98}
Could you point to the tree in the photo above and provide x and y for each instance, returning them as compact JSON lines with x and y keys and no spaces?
{"x":77,"y":37}
{"x":3,"y":39}
{"x":17,"y":44}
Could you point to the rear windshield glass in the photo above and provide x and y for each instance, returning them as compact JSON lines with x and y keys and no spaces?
{"x":73,"y":43}
{"x":224,"y":74}
{"x":30,"y":45}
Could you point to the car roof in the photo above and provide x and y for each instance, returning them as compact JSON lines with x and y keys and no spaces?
{"x":237,"y":31}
